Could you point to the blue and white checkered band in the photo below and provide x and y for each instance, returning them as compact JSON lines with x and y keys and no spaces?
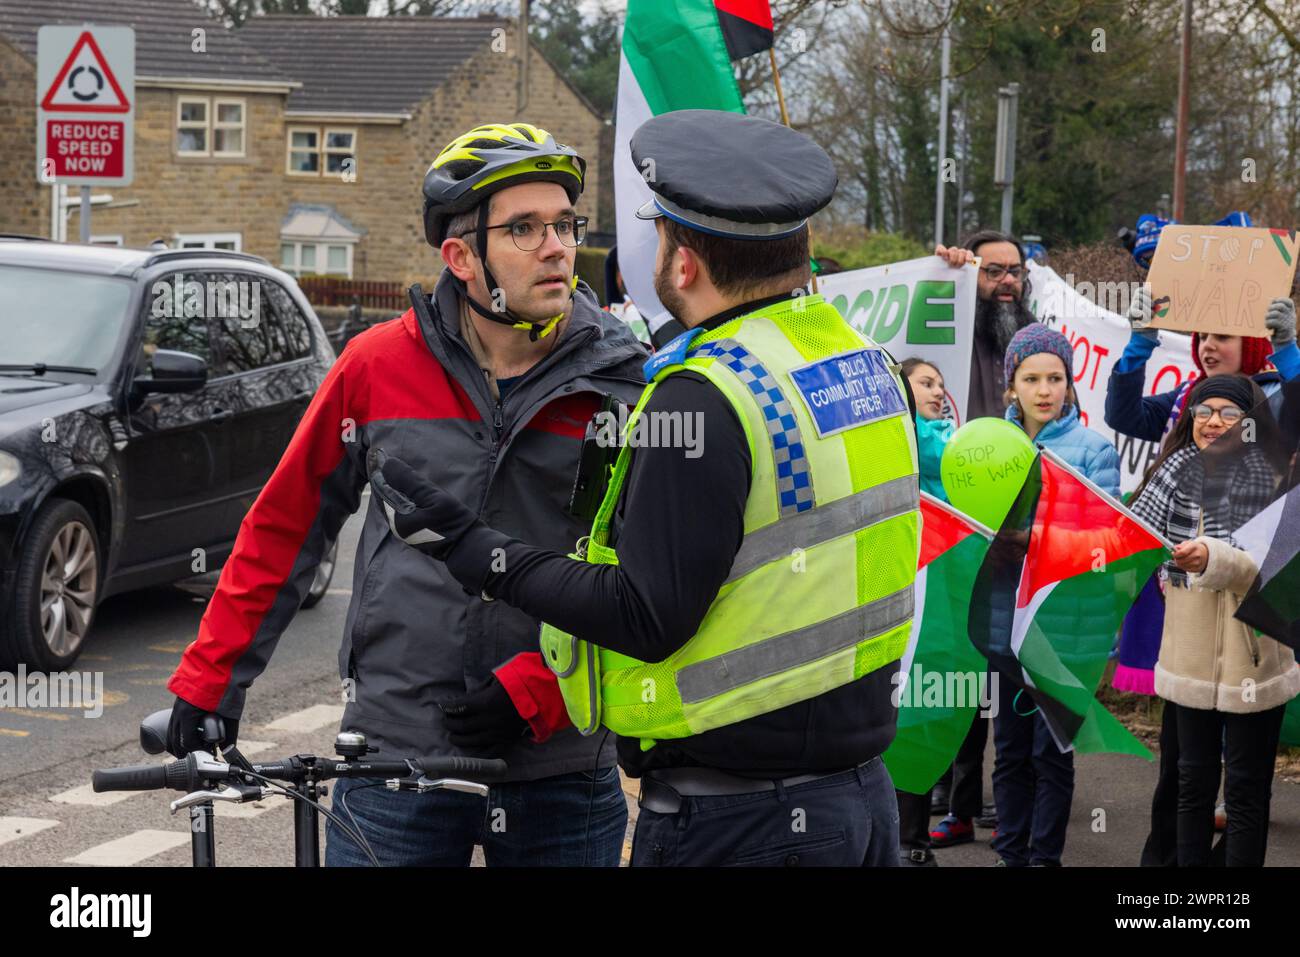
{"x":793,"y":478}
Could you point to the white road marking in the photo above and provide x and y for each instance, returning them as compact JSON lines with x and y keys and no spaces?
{"x":132,"y":849}
{"x":254,"y":747}
{"x":15,"y":828}
{"x":251,"y":810}
{"x":84,"y":794}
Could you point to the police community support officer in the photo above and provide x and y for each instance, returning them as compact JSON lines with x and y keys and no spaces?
{"x":742,"y":602}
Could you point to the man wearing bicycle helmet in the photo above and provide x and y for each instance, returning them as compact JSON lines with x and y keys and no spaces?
{"x":485,"y":386}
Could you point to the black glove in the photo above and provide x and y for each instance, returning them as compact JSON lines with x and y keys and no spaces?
{"x":185,"y":730}
{"x":420,"y":513}
{"x":484,"y":721}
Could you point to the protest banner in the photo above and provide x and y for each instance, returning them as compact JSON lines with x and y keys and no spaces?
{"x":919,"y":307}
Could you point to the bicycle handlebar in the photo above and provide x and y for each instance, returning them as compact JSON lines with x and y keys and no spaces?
{"x":191,"y":772}
{"x":142,"y":777}
{"x":482,"y":769}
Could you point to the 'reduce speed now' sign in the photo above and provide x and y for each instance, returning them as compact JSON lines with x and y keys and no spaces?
{"x":85,"y":105}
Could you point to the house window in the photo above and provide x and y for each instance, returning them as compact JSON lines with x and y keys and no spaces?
{"x":210,"y":126}
{"x":192,"y":126}
{"x":321,"y":151}
{"x":96,"y":240}
{"x":230,"y":241}
{"x":227,"y":127}
{"x":302,"y":258}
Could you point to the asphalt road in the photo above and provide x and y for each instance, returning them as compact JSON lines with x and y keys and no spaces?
{"x":47,"y":756}
{"x":48,"y":815}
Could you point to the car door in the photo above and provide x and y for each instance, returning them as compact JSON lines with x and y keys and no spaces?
{"x":175,"y":461}
{"x":265,"y":361}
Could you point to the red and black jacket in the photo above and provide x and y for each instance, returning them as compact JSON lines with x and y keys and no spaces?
{"x":413,"y":635}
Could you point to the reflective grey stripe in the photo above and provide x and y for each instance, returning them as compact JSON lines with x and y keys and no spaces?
{"x":705,"y":679}
{"x":806,"y":529}
{"x":593,"y":692}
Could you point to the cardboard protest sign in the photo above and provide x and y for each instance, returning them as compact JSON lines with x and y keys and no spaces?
{"x":1220,"y":279}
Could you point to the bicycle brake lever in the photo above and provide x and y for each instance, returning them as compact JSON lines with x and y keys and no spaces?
{"x":425,"y":784}
{"x":235,"y":794}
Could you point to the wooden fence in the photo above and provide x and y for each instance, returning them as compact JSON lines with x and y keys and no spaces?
{"x":369,"y":293}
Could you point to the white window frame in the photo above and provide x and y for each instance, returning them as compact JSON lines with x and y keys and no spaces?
{"x":206,"y":126}
{"x":208,"y":240}
{"x":210,"y":125}
{"x":322,"y":151}
{"x":98,"y":239}
{"x":322,"y":256}
{"x":242,"y":125}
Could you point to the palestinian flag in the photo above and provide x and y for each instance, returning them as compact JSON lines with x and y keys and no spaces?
{"x":1062,"y":572}
{"x":674,"y":57}
{"x":1272,"y":606}
{"x":746,"y":26}
{"x":942,"y":675}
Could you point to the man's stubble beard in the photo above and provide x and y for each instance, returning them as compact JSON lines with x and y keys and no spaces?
{"x":669,"y":297}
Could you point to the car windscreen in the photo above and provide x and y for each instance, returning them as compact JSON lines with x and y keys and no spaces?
{"x":60,"y":318}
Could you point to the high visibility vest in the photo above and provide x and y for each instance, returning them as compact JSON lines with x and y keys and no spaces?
{"x":821,"y":590}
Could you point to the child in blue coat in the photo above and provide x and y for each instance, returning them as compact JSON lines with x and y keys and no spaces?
{"x":1033,"y":781}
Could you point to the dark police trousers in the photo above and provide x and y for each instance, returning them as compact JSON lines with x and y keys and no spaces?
{"x":846,"y":818}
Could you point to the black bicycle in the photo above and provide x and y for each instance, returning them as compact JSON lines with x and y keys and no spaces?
{"x":233,"y":778}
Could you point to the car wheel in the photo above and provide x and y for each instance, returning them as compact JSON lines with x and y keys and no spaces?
{"x":321,"y":583}
{"x":57,"y":587}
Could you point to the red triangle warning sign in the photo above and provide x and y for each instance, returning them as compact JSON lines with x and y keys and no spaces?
{"x":85,"y":83}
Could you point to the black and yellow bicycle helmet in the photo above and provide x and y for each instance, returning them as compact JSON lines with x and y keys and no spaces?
{"x":481,"y":162}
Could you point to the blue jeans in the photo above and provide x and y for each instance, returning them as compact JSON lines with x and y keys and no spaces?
{"x":848,"y":819}
{"x":524,"y":824}
{"x":1033,"y":784}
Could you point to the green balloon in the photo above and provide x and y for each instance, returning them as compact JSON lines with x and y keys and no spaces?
{"x":984,"y":466}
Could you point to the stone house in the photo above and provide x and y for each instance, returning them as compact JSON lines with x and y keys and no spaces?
{"x":297,"y":138}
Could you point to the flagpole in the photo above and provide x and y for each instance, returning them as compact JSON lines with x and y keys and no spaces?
{"x":785,"y":118}
{"x":1115,"y":502}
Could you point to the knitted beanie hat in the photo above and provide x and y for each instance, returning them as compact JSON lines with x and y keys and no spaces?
{"x":1031,"y":340}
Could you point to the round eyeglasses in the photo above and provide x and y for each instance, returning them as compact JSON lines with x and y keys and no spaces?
{"x":1228,"y":415}
{"x":529,"y":234}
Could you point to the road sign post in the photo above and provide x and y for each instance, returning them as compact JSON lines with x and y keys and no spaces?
{"x":85,"y":109}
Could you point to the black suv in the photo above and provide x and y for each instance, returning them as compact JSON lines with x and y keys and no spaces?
{"x":145,"y":398}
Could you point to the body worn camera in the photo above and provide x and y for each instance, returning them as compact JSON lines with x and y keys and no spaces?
{"x":594,"y":463}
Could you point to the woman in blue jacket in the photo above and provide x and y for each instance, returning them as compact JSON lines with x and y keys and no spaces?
{"x":932,"y":430}
{"x":1033,"y":782}
{"x":932,"y":434}
{"x":1150,"y":417}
